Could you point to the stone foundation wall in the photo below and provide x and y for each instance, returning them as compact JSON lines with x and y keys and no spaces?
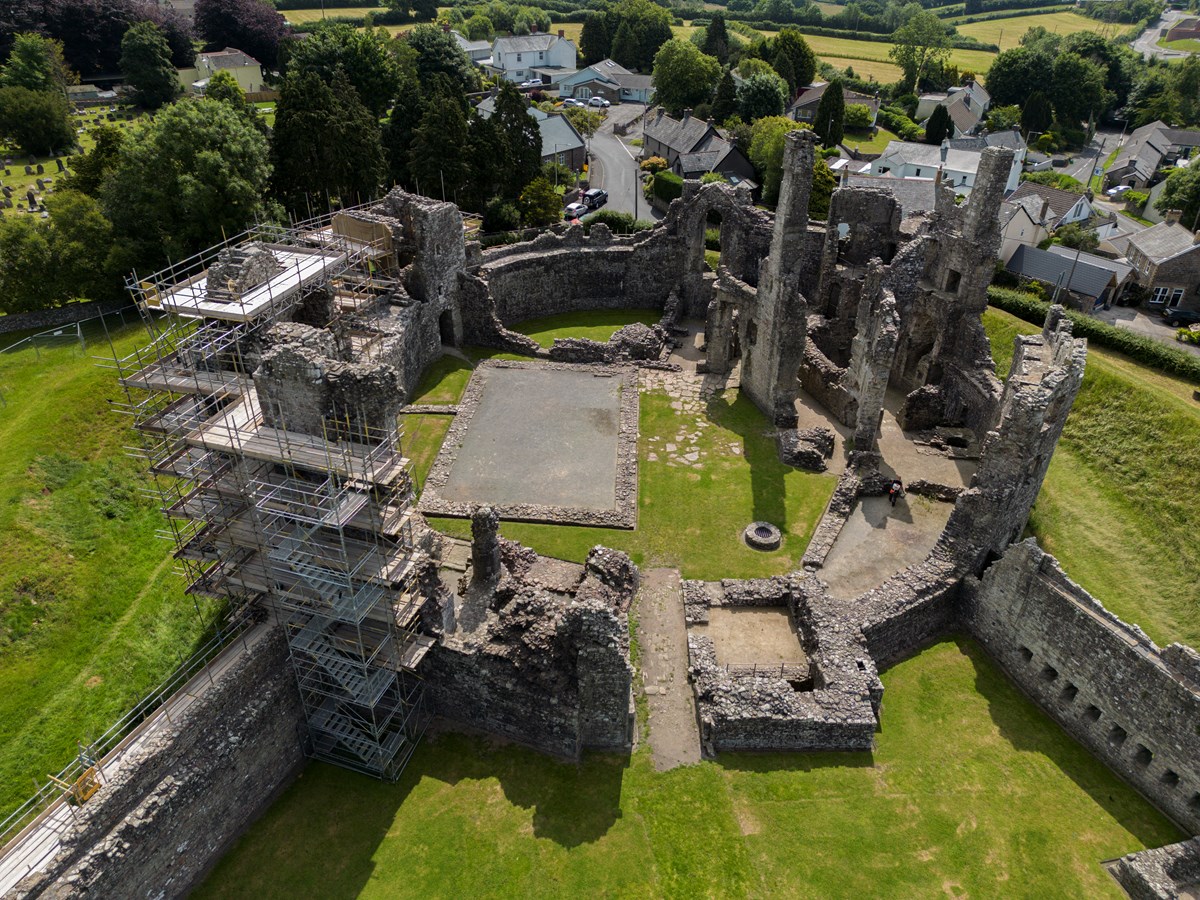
{"x":165,"y":818}
{"x":1136,"y":707}
{"x":910,"y":610}
{"x":1161,"y":873}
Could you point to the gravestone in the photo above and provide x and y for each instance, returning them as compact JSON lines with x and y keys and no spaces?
{"x":29,"y":170}
{"x":41,"y":170}
{"x":41,"y":185}
{"x":32,"y":198}
{"x":8,"y":203}
{"x":61,"y":167}
{"x":32,"y":159}
{"x":7,"y":191}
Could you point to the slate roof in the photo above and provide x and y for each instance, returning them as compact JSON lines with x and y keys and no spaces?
{"x":1011,"y":139}
{"x":1183,"y":137}
{"x":525,"y":43}
{"x":1059,"y":201}
{"x":920,"y":154}
{"x":1163,"y":241}
{"x":1120,"y":269}
{"x":558,"y":134}
{"x":1144,"y":150}
{"x":915,"y":195}
{"x":1086,"y":279}
{"x":812,"y":95}
{"x":961,"y":114}
{"x":680,"y":135}
{"x":229,"y":58}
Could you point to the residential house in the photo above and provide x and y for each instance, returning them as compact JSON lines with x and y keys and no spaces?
{"x":1147,"y":150}
{"x":905,"y":159}
{"x":560,"y":141}
{"x":1022,"y":224}
{"x":524,"y":57}
{"x":479,"y":52}
{"x":609,"y":80}
{"x":967,"y":106}
{"x":693,"y":146}
{"x":1079,"y":282}
{"x":1166,"y":259}
{"x":915,"y":195}
{"x":78,"y":92}
{"x":245,"y":68}
{"x":1061,"y":207}
{"x":804,"y":107}
{"x":1122,"y":271}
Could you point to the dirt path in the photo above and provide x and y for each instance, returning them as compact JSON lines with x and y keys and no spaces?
{"x":674,"y":736}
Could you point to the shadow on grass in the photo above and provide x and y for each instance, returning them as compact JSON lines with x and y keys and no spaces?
{"x":1028,"y":728}
{"x":767,"y":485}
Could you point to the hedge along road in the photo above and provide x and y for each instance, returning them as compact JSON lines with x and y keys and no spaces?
{"x":614,"y":164}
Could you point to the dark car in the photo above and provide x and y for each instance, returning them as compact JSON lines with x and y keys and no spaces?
{"x":1177,"y":317}
{"x":595,"y":198}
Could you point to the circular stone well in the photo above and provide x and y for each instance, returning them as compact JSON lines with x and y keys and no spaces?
{"x":762,"y":536}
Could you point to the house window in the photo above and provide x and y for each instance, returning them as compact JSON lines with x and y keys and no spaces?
{"x":541,"y":55}
{"x":518,"y":57}
{"x":1176,"y":296}
{"x":918,"y":173}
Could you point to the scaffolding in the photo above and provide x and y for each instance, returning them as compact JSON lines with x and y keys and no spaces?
{"x":316,"y":527}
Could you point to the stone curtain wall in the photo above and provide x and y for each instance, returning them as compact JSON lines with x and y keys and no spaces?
{"x":62,"y":315}
{"x":1134,"y":706}
{"x":1161,"y":873}
{"x":166,"y":817}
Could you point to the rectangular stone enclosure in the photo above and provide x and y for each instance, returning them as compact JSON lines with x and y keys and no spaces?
{"x":541,"y":442}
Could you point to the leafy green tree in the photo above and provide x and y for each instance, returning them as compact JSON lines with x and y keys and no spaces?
{"x":1077,"y":90}
{"x":398,"y":134}
{"x":683,"y":76}
{"x":49,"y":262}
{"x":858,"y":116}
{"x":223,"y":87}
{"x":438,"y":157}
{"x":1077,"y":238}
{"x":830,"y":120}
{"x":1017,"y":73}
{"x":253,"y":26}
{"x":920,"y":43}
{"x":754,"y":65}
{"x":725,"y":104}
{"x":639,"y":28}
{"x":479,"y":28}
{"x":586,"y":121}
{"x":364,"y":56}
{"x":716,"y":39}
{"x":938,"y":126}
{"x":766,"y":152}
{"x":326,"y":143}
{"x":193,"y":172}
{"x":1003,"y":118}
{"x":520,"y":142}
{"x":822,"y":189}
{"x":438,"y":54}
{"x":625,"y":45}
{"x":146,"y":66}
{"x":38,"y":122}
{"x":37,"y":63}
{"x":761,"y":95}
{"x":90,"y":170}
{"x":1036,"y":114}
{"x":501,"y":215}
{"x":595,"y":39}
{"x":783,"y":68}
{"x":539,"y":203}
{"x":804,"y":62}
{"x":1182,"y":192}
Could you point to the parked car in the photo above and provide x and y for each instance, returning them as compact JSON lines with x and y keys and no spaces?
{"x":1177,"y":317}
{"x":595,"y":198}
{"x":1117,"y":191}
{"x":571,"y":101}
{"x":599,"y":102}
{"x":574,"y":211}
{"x":532,"y":83}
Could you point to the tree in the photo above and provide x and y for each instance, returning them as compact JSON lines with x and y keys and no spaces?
{"x":91,"y":169}
{"x":437,"y":160}
{"x":761,"y":95}
{"x":1077,"y":90}
{"x":1077,"y":238}
{"x":716,"y":39}
{"x":49,"y":262}
{"x":364,"y":56}
{"x":586,"y":121}
{"x":223,"y":87}
{"x":804,"y":62}
{"x":91,"y":30}
{"x":725,"y":104}
{"x":683,"y":76}
{"x":326,"y":143}
{"x":38,"y":122}
{"x":918,"y":44}
{"x":1182,"y":192}
{"x":438,"y":54}
{"x":638,"y":29}
{"x":625,"y":47}
{"x":783,"y":68}
{"x":424,"y":10}
{"x":1003,"y":118}
{"x":540,"y":204}
{"x":193,"y":172}
{"x":1017,"y":73}
{"x":479,"y":28}
{"x":822,"y":189}
{"x":595,"y":39}
{"x":766,"y":152}
{"x":520,"y":142}
{"x":1036,"y":114}
{"x":37,"y":63}
{"x":938,"y":127}
{"x":858,"y":116}
{"x":146,"y":66}
{"x":830,"y":120}
{"x":252,"y":26}
{"x":398,"y":134}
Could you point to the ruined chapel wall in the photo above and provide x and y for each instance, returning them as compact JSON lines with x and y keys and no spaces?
{"x":170,"y":812}
{"x":1134,"y":706}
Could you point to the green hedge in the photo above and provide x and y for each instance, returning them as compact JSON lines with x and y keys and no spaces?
{"x":1145,"y":350}
{"x":668,"y":186}
{"x":895,"y":121}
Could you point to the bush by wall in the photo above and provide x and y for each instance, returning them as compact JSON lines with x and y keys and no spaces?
{"x":1145,"y":350}
{"x":667,"y":186}
{"x":894,"y":120}
{"x":617,"y":222}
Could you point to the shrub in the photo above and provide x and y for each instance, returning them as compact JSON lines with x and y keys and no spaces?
{"x":1059,"y":180}
{"x":501,"y":215}
{"x":1136,"y":199}
{"x":667,"y":186}
{"x":653,"y":165}
{"x":894,"y":119}
{"x":617,"y":222}
{"x":858,"y":115}
{"x":712,"y":241}
{"x":1141,"y":348}
{"x":1187,"y":336}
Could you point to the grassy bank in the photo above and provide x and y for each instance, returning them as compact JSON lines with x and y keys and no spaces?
{"x":1118,"y":506}
{"x":91,"y":614}
{"x":970,"y":792}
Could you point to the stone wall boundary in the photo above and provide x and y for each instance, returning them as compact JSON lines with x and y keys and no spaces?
{"x":62,"y":315}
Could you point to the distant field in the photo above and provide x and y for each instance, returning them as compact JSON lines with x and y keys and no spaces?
{"x":1187,"y":44}
{"x":312,"y":15}
{"x":1007,"y":33}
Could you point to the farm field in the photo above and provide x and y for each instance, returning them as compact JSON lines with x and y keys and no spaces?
{"x":1007,"y":33}
{"x":299,"y":16}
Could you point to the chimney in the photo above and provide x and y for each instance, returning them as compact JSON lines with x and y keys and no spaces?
{"x":533,"y":28}
{"x":562,"y":32}
{"x":687,"y":114}
{"x":1173,"y":216}
{"x":945,"y":148}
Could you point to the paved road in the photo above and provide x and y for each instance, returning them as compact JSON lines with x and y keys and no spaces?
{"x":1148,"y":324}
{"x":614,"y":164}
{"x":1147,"y":41}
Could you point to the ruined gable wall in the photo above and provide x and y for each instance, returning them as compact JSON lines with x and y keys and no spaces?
{"x":170,"y":812}
{"x":1136,"y":707}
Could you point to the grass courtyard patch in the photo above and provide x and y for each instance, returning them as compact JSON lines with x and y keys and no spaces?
{"x":91,"y":613}
{"x":597,"y":324}
{"x":971,"y":792}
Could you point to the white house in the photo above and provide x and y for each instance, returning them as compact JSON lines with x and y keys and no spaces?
{"x":967,"y":106}
{"x":609,"y":80}
{"x":1061,"y":207}
{"x":245,"y":68}
{"x":905,"y":159}
{"x":528,"y":56}
{"x":479,"y":52}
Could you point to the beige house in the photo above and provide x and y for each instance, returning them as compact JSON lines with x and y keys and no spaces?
{"x":245,"y":68}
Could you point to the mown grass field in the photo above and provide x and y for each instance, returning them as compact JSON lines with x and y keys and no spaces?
{"x":91,"y":613}
{"x":1007,"y":33}
{"x":299,"y":16}
{"x":1118,"y":507}
{"x":971,"y":792}
{"x":868,"y":144}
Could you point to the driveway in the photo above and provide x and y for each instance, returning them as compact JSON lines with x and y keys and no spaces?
{"x":1141,"y":322}
{"x":614,"y":164}
{"x":1147,"y":42}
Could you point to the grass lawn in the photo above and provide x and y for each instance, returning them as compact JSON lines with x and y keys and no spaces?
{"x":421,"y":438}
{"x":1189,"y":45}
{"x":1118,"y":505}
{"x":298,"y":16}
{"x":1007,"y":33}
{"x":91,"y":612}
{"x":971,"y":791}
{"x":443,"y":382}
{"x":596,"y":324}
{"x":864,"y":143}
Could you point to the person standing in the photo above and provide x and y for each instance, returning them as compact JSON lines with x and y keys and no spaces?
{"x":896,"y":490}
